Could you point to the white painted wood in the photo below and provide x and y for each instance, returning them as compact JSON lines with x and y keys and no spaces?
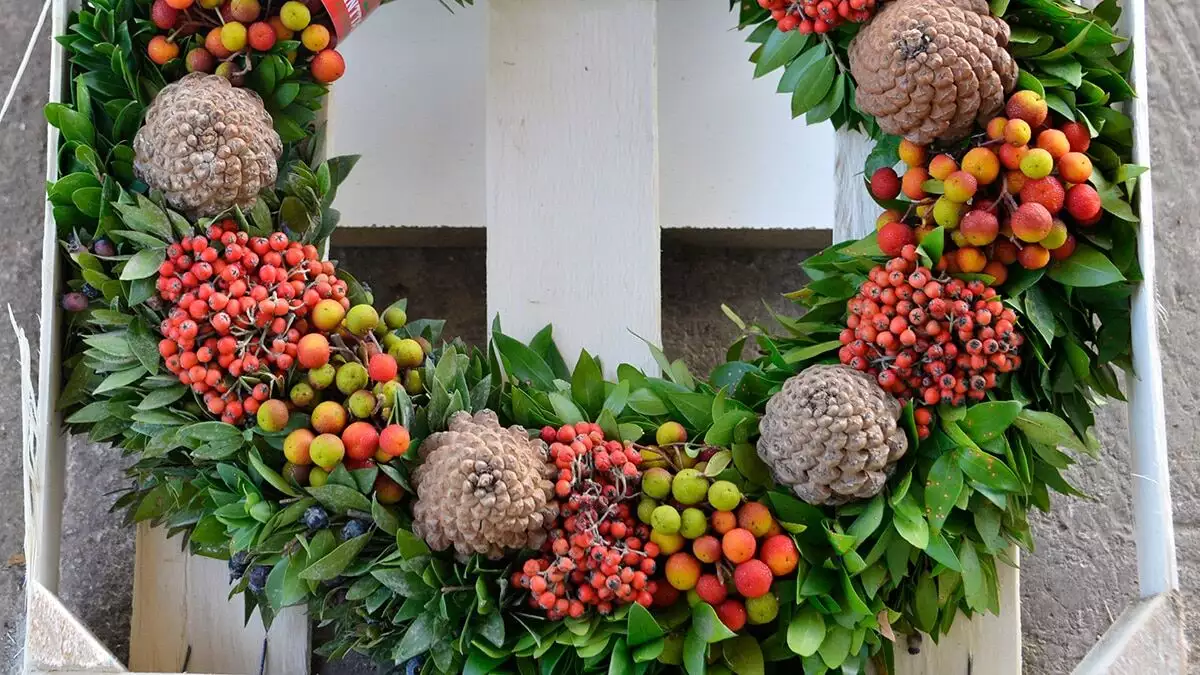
{"x":572,"y":176}
{"x":1154,"y":529}
{"x":986,"y":645}
{"x":731,"y":154}
{"x":412,"y":104}
{"x":1148,"y":637}
{"x":180,"y":602}
{"x":854,"y":210}
{"x":56,"y":641}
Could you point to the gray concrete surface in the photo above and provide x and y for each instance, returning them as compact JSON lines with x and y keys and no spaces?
{"x":1080,"y":578}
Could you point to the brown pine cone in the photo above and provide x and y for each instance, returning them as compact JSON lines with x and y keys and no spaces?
{"x":482,"y":488}
{"x":930,"y":69}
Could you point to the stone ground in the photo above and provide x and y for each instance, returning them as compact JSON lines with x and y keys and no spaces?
{"x":1080,"y":578}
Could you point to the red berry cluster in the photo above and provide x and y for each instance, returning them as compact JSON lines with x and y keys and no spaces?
{"x":929,"y":338}
{"x":818,"y":16}
{"x":597,"y":554}
{"x":240,"y":304}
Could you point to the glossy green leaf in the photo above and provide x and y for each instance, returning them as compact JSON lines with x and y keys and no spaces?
{"x":985,"y":421}
{"x":336,"y":561}
{"x":806,"y":631}
{"x":1087,"y":267}
{"x":942,"y":488}
{"x":988,"y":470}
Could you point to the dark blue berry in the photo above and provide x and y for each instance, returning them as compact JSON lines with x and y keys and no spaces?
{"x":413,"y":665}
{"x":90,"y":291}
{"x":237,"y":565}
{"x":258,"y":578}
{"x":75,"y":302}
{"x":104,"y":248}
{"x":352,"y":529}
{"x":315,"y":518}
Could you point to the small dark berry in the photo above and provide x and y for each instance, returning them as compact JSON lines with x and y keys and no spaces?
{"x":104,"y":248}
{"x":258,"y":578}
{"x":90,"y":291}
{"x":352,"y":529}
{"x":413,"y":665}
{"x":75,"y":302}
{"x":315,"y":518}
{"x":237,"y":565}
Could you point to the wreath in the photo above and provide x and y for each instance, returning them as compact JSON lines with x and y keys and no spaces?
{"x":853,"y":472}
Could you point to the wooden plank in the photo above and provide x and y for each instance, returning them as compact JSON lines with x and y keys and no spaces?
{"x":572,"y":178}
{"x":412,"y":104}
{"x":987,"y":644}
{"x":180,"y":602}
{"x":731,"y":154}
{"x":55,"y":640}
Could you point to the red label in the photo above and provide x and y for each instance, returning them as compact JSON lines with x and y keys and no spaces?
{"x":347,"y":14}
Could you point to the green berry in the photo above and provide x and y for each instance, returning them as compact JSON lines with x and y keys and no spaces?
{"x":351,"y":377}
{"x":295,"y":15}
{"x":302,"y":395}
{"x":693,"y":523}
{"x":762,"y":609}
{"x":665,"y":519}
{"x":361,"y":319}
{"x":656,"y":483}
{"x":361,"y":403}
{"x":322,"y":377}
{"x":395,"y":318}
{"x":724,"y":496}
{"x":645,"y":509}
{"x":689,"y":487}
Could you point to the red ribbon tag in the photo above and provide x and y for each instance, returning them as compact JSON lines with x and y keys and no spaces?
{"x":348,"y":14}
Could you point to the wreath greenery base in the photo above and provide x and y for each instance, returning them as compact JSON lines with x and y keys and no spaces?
{"x":909,"y":560}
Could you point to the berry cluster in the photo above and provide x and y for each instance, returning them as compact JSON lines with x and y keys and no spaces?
{"x":1010,"y":198}
{"x":240,"y":308}
{"x":929,"y":338}
{"x":226,"y":32}
{"x":597,"y":554}
{"x":818,"y":16}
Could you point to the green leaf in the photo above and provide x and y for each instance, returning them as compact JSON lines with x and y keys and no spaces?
{"x":565,"y":409}
{"x":340,"y":498}
{"x":939,"y":549}
{"x":779,"y":49}
{"x":384,"y":518}
{"x":1068,"y":49}
{"x":640,"y":626}
{"x":695,"y":407}
{"x":1086,"y":268}
{"x":988,"y":470}
{"x":522,"y":363}
{"x":801,"y":354}
{"x":615,"y":403}
{"x":744,"y":655}
{"x":336,"y":562}
{"x":145,"y":217}
{"x":836,"y":646}
{"x":410,"y":545}
{"x":974,"y":584}
{"x":942,"y":488}
{"x":1049,"y":429}
{"x":268,"y":474}
{"x":121,"y":378}
{"x":925,"y":603}
{"x":998,"y":7}
{"x":985,"y":421}
{"x":76,"y":127}
{"x":806,"y":631}
{"x":88,"y":201}
{"x":1067,"y":69}
{"x":868,"y":521}
{"x":933,"y":243}
{"x":143,"y":264}
{"x":914,"y":530}
{"x":814,"y":84}
{"x":587,"y":385}
{"x":707,"y":626}
{"x":421,"y":635}
{"x":885,"y":154}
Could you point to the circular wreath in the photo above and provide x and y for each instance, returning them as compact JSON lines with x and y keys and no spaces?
{"x":450,"y":509}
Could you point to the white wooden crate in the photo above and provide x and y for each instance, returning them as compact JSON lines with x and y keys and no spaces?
{"x":555,"y":123}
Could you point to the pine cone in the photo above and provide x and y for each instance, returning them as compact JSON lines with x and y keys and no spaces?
{"x":207,"y":145}
{"x":930,"y":69}
{"x":483,"y":488}
{"x":831,"y":435}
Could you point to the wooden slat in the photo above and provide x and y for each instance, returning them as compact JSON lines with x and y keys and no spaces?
{"x":180,"y":602}
{"x":572,"y":177}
